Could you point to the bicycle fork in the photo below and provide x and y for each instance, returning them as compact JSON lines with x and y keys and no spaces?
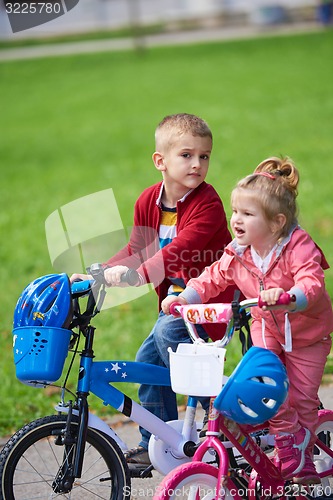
{"x":74,"y":445}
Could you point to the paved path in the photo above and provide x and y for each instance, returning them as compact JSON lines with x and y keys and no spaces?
{"x":187,"y":37}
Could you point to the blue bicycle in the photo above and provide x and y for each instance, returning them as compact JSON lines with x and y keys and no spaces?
{"x":74,"y":453}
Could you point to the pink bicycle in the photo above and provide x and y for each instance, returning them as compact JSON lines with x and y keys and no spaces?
{"x":241,"y":464}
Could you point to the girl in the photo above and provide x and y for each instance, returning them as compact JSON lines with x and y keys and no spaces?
{"x":271,"y":254}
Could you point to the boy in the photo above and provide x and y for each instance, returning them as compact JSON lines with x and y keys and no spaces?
{"x":180,"y":227}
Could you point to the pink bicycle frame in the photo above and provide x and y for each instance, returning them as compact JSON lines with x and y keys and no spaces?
{"x":264,"y":470}
{"x":263,"y":467}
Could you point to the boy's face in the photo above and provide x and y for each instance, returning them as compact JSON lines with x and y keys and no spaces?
{"x":184,"y":164}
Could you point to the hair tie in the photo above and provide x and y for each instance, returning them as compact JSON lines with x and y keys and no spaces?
{"x":266,"y":174}
{"x":279,"y":172}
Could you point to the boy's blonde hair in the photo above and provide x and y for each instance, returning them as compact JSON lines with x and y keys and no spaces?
{"x":274,"y":184}
{"x":174,"y":126}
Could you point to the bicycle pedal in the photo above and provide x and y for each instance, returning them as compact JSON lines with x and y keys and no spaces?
{"x":147,"y":472}
{"x":140,"y":471}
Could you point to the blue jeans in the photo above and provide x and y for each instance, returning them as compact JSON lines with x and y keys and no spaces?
{"x":168,"y":331}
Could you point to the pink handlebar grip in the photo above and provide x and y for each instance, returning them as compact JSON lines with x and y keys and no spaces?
{"x":173,"y":310}
{"x":284,"y":299}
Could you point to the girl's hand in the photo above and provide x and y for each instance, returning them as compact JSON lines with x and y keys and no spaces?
{"x":271,"y":295}
{"x":170,"y":299}
{"x":113,"y":275}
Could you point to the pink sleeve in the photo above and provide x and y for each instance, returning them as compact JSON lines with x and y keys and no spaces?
{"x":306,"y":265}
{"x":214,"y":279}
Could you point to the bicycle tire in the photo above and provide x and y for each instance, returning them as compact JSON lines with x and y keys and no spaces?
{"x":194,"y":480}
{"x":322,"y":461}
{"x":31,"y":459}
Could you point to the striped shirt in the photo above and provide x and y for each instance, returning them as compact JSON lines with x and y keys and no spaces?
{"x":168,"y":226}
{"x":168,"y":231}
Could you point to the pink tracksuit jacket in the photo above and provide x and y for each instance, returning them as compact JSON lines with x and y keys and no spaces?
{"x":297,"y":266}
{"x":301,"y":338}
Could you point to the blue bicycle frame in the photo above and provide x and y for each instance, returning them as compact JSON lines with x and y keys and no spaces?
{"x":97,"y":377}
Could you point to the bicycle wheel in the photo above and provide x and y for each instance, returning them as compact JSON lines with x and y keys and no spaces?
{"x":322,"y":460}
{"x":32,"y":459}
{"x":194,"y":481}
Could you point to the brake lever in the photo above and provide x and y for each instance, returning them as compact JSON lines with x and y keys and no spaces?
{"x":131,"y":276}
{"x":97,"y":272}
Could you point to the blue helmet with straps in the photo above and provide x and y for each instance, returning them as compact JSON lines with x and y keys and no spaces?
{"x":46,"y":301}
{"x":256,"y":389}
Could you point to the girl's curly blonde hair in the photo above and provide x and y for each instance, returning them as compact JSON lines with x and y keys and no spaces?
{"x":274,"y":183}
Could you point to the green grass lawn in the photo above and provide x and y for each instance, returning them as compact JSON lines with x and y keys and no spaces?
{"x":73,"y":126}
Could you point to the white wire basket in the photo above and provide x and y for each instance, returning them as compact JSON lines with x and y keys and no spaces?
{"x":197,"y":369}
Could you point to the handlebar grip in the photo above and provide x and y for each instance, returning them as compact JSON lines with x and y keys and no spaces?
{"x":173,"y":309}
{"x":284,"y":300}
{"x":131,"y":277}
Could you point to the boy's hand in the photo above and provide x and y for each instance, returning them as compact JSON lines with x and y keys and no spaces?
{"x":113,"y":275}
{"x":166,"y":303}
{"x":78,"y":276}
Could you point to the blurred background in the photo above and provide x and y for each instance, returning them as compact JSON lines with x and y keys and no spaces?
{"x":89,"y":15}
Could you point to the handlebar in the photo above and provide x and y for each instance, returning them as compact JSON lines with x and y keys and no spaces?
{"x":81,"y":288}
{"x":95,"y":290}
{"x":220,"y":312}
{"x":284,"y":300}
{"x":174,"y":309}
{"x":131,"y":276}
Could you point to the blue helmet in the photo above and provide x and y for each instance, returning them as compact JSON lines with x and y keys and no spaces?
{"x":256,"y":389}
{"x":46,"y":301}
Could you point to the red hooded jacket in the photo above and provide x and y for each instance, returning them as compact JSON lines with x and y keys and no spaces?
{"x":202,"y":234}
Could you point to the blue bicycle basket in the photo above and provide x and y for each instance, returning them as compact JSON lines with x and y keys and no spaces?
{"x":40,"y":330}
{"x":256,"y":389}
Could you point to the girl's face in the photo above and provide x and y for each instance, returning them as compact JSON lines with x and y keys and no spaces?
{"x":249,"y":224}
